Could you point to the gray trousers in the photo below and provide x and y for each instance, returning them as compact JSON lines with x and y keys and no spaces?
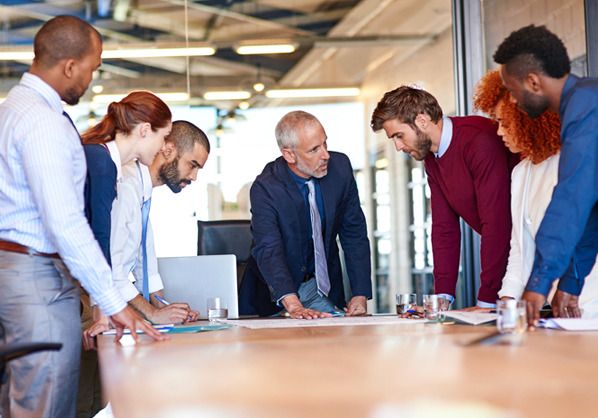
{"x":39,"y":302}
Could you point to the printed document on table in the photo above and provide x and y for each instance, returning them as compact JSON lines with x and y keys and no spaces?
{"x":321,"y":322}
{"x":162,"y":328}
{"x":472,"y":318}
{"x":569,"y":324}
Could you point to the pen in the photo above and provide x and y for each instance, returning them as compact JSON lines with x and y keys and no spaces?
{"x":162,"y":300}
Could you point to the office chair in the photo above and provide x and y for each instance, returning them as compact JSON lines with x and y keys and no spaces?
{"x":226,"y":237}
{"x":12,"y":351}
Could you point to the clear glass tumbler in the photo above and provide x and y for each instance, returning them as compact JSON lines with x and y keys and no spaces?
{"x":511,"y":316}
{"x":215,"y":309}
{"x":405,"y":302}
{"x":431,"y":307}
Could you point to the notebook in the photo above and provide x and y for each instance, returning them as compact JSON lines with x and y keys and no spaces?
{"x":195,"y":279}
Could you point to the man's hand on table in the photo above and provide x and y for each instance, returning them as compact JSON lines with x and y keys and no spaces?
{"x":127,"y":318}
{"x":565,"y":305}
{"x":296,"y":310}
{"x":535,"y":302}
{"x":357,"y":306}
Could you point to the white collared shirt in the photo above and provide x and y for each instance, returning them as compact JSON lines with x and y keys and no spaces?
{"x":115,"y":156}
{"x":446,"y":136}
{"x":42,"y":175}
{"x":125,"y":236}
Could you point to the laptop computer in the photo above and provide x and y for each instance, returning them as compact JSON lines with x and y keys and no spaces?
{"x":195,"y":279}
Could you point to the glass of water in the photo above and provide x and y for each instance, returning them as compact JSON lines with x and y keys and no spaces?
{"x":431,"y":307}
{"x":511,"y":317}
{"x":216,"y":310}
{"x":405,"y":302}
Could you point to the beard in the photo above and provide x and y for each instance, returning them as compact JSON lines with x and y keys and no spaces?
{"x":423,"y":143}
{"x":170,"y":176}
{"x":533,"y":104}
{"x":311,"y":173}
{"x":71,"y":96}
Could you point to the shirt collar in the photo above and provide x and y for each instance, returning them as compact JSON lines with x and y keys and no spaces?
{"x":301,"y":181}
{"x":115,"y":155}
{"x":445,"y":136}
{"x":571,"y":81}
{"x":44,"y":89}
{"x":146,"y":181}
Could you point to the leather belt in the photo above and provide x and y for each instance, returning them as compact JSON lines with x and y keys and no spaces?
{"x":13,"y":247}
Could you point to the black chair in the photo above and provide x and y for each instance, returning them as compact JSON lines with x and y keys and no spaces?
{"x":226,"y":237}
{"x":12,"y":351}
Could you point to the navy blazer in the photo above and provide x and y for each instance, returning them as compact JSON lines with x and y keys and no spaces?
{"x":280,"y":228}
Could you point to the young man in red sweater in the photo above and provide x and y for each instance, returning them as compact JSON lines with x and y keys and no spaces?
{"x":468,"y":170}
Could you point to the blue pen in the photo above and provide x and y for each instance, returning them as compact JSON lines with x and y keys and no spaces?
{"x":162,"y":300}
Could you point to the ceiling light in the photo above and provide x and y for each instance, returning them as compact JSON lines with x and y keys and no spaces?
{"x":157,"y":52}
{"x":16,"y":55}
{"x":244,"y":105}
{"x":316,"y":92}
{"x":259,"y":86}
{"x":227,"y":95}
{"x":97,"y":89}
{"x":167,"y":97}
{"x":254,"y":49}
{"x":121,"y":52}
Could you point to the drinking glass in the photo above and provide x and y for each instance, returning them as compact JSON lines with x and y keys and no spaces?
{"x":431,"y":307}
{"x":215,"y":309}
{"x":511,"y":317}
{"x":405,"y":302}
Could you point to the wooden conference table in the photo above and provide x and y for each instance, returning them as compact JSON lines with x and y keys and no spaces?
{"x":378,"y":371}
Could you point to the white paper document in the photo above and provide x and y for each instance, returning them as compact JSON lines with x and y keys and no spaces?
{"x":569,"y":324}
{"x":321,"y":322}
{"x":162,"y":328}
{"x":472,"y":318}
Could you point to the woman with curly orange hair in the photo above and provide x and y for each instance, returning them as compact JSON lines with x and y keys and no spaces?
{"x":532,"y":180}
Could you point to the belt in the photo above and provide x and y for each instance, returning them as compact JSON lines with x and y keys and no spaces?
{"x":13,"y":247}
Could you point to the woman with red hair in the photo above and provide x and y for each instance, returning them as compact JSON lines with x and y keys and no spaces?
{"x":133,"y":129}
{"x":532,"y":181}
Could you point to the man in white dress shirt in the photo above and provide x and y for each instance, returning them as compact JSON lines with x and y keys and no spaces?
{"x":44,"y":236}
{"x":185,"y":152}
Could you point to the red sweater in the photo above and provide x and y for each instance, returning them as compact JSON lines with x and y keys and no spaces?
{"x":472,"y":181}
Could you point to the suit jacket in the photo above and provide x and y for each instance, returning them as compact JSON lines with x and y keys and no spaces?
{"x":280,"y":228}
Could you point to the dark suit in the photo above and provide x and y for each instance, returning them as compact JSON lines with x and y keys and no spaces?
{"x":280,"y":227}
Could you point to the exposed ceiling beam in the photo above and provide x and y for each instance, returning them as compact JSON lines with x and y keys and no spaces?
{"x":267,"y":24}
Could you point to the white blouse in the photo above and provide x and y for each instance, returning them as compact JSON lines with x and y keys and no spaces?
{"x":531,"y":191}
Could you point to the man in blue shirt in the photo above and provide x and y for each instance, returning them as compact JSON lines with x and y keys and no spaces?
{"x":535,"y":68}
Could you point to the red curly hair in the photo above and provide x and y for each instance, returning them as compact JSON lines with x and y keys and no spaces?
{"x":537,"y":138}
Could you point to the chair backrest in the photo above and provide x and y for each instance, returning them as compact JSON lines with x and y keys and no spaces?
{"x":16,"y":350}
{"x":226,"y":237}
{"x":195,"y":279}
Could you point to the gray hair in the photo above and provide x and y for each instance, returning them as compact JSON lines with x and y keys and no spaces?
{"x":288,"y":127}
